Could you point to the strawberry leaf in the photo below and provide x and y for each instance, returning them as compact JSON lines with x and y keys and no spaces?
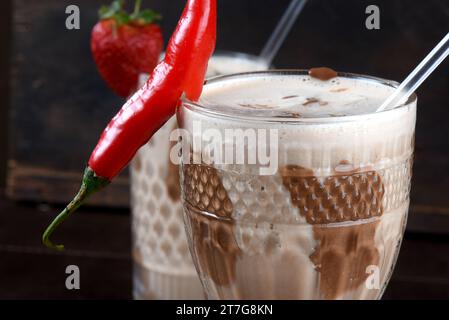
{"x":115,"y":11}
{"x":147,"y":16}
{"x":105,"y":12}
{"x":121,"y":18}
{"x":108,"y":12}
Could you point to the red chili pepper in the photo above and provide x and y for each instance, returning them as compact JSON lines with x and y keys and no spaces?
{"x":182,"y":71}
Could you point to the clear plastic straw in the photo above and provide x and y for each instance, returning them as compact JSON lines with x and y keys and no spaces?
{"x":282,"y":29}
{"x":417,"y":77}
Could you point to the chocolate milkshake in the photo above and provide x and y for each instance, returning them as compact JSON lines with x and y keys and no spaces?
{"x":163,"y":268}
{"x":328,"y":221}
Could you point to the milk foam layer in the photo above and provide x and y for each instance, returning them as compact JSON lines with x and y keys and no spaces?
{"x":221,"y":64}
{"x":295,"y":95}
{"x":364,"y":139}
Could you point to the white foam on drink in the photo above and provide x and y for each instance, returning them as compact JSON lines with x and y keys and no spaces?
{"x":294,"y":95}
{"x":221,"y":64}
{"x":348,"y":128}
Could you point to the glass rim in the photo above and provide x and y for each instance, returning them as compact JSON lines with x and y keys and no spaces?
{"x":198,"y":108}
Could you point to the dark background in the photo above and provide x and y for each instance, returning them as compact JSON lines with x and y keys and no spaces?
{"x":5,"y":26}
{"x":54,"y":105}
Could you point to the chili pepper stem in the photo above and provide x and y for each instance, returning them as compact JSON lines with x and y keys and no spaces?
{"x":90,"y":185}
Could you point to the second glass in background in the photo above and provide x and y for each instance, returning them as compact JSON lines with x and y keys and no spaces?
{"x":162,"y":265}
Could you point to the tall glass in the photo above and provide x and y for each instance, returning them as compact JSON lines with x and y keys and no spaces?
{"x":162,"y":266}
{"x":326,"y":224}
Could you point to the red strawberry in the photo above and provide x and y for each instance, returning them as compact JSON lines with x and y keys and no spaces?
{"x":126,"y":45}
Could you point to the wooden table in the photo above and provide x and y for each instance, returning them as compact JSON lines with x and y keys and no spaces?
{"x":98,"y":242}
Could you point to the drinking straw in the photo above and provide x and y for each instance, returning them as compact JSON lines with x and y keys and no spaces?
{"x":417,"y":77}
{"x":282,"y":29}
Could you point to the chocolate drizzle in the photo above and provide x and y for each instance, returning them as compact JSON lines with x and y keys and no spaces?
{"x":310,"y":101}
{"x":213,"y":237}
{"x":338,"y":198}
{"x":344,"y":252}
{"x":290,"y":97}
{"x":343,"y":255}
{"x":314,"y":101}
{"x":339,"y":90}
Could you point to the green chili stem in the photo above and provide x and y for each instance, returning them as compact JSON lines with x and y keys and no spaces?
{"x":74,"y":204}
{"x":91,"y":184}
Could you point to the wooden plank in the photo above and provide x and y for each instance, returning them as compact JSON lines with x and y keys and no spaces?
{"x":28,"y":275}
{"x":99,"y":240}
{"x":48,"y":185}
{"x":91,"y":231}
